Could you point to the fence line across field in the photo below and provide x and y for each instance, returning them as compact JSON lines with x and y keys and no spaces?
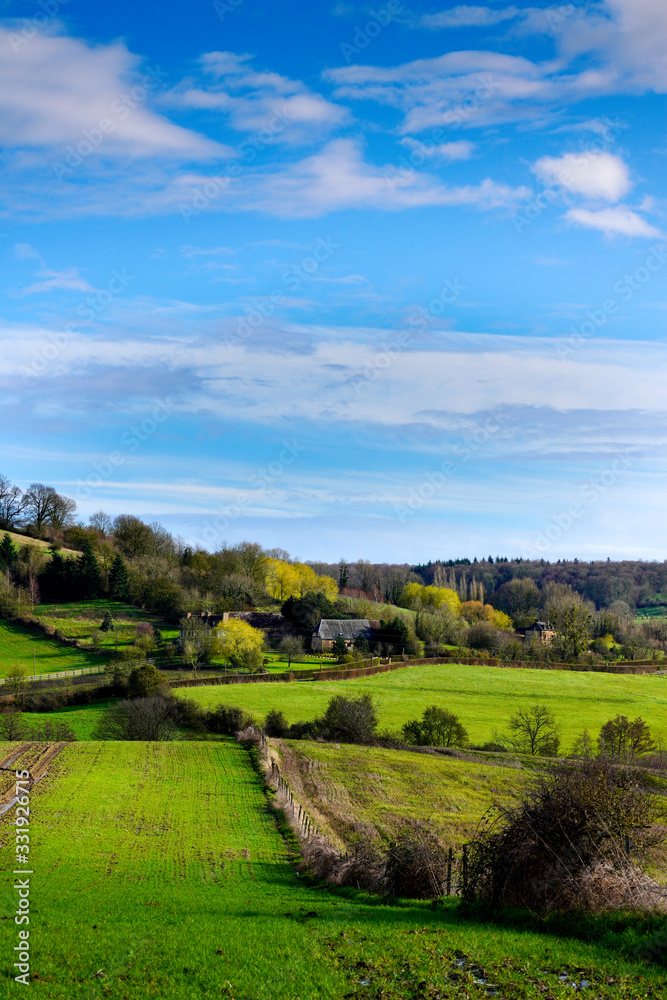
{"x":59,"y":675}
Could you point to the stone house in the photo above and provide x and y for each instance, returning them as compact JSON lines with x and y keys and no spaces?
{"x":330,"y":629}
{"x":541,"y":631}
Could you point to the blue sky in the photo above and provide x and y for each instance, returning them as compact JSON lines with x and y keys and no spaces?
{"x":376,"y":281}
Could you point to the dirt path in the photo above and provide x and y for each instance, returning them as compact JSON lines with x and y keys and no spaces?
{"x":38,"y":758}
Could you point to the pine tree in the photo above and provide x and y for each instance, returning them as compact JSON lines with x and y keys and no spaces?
{"x":89,"y":578}
{"x":119,"y":583}
{"x":107,"y":623}
{"x":8,"y":552}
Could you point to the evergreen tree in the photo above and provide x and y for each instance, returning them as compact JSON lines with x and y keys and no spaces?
{"x":107,"y":623}
{"x":89,"y":578}
{"x":58,"y":582}
{"x":8,"y":552}
{"x":119,"y":583}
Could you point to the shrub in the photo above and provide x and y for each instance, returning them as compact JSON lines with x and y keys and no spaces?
{"x":416,"y":864}
{"x":144,"y":681}
{"x":339,"y":649}
{"x":564,"y":848}
{"x":484,"y":635}
{"x":351,"y":720}
{"x":436,"y":728}
{"x":227,"y":720}
{"x":139,"y":719}
{"x":305,"y":730}
{"x":276,"y":724}
{"x":52,"y":731}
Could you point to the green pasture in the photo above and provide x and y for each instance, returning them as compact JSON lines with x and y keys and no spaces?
{"x":159,"y":873}
{"x":78,"y":619}
{"x":349,"y":788}
{"x":18,"y":643}
{"x":38,"y":543}
{"x":484,"y":697}
{"x":82,"y":719}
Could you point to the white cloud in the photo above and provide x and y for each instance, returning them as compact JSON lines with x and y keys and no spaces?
{"x":597,"y":175}
{"x":461,"y":150}
{"x":68,"y":280}
{"x":24,"y":251}
{"x":453,"y":90}
{"x":617,"y":221}
{"x":463,"y":16}
{"x":338,"y":178}
{"x":189,"y":251}
{"x":625,"y":42}
{"x":58,"y":90}
{"x":253,"y":101}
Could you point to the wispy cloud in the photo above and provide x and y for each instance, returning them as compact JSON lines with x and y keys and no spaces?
{"x":617,"y":221}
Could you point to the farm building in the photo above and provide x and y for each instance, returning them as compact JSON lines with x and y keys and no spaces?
{"x":541,"y":631}
{"x":331,"y":629}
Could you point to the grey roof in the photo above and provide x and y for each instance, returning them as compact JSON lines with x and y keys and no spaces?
{"x":540,"y":627}
{"x":331,"y":628}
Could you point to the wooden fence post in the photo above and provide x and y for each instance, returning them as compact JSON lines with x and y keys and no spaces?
{"x":449,"y":871}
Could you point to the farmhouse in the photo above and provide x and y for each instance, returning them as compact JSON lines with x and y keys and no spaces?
{"x":331,"y":629}
{"x":541,"y":631}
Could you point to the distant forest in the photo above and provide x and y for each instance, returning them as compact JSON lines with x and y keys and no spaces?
{"x":637,"y":583}
{"x":143,"y":563}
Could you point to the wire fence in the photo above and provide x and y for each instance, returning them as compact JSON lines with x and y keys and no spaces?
{"x":81,"y":672}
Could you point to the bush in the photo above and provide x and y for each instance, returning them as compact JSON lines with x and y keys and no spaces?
{"x":305,"y":730}
{"x":436,"y":728}
{"x":484,"y":635}
{"x":563,"y":849}
{"x":351,"y":720}
{"x":139,"y":719}
{"x":144,"y":681}
{"x":50,"y":731}
{"x":227,"y":720}
{"x":276,"y":724}
{"x":416,"y":865}
{"x":107,"y":622}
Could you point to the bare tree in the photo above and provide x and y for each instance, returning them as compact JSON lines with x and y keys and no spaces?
{"x":139,"y":719}
{"x":532,"y":731}
{"x":61,"y":513}
{"x":101,"y":522}
{"x":12,"y":503}
{"x":39,"y":503}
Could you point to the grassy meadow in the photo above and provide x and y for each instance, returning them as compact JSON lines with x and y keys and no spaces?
{"x":39,"y":543}
{"x":160,"y":872}
{"x":352,"y":790}
{"x":17,"y":644}
{"x":78,"y":619}
{"x":484,"y":697}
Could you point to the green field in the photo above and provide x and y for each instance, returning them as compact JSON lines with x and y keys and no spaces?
{"x":159,"y":873}
{"x":17,"y":644}
{"x":484,"y":697}
{"x":348,"y":788}
{"x":78,"y":619}
{"x":82,"y":719}
{"x":39,"y":543}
